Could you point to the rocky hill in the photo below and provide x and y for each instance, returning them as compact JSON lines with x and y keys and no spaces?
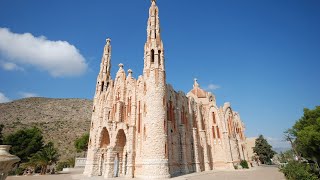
{"x":61,"y":120}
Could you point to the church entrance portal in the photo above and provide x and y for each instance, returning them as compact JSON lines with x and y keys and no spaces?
{"x":120,"y":160}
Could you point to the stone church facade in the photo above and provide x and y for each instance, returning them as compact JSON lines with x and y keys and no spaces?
{"x":144,"y":128}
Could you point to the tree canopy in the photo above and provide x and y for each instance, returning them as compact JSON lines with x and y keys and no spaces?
{"x":25,"y":142}
{"x":47,"y":156}
{"x":81,"y":144}
{"x":263,"y":149}
{"x":306,"y":132}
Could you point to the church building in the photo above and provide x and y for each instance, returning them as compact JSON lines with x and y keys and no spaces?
{"x":144,"y":128}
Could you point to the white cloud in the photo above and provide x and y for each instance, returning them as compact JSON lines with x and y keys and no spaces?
{"x":9,"y":66}
{"x":212,"y":87}
{"x":28,"y":94}
{"x":59,"y":58}
{"x":3,"y":98}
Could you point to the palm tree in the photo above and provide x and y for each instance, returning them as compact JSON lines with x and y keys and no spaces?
{"x":46,"y":157}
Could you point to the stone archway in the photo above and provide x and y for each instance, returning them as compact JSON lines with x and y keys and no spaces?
{"x":104,"y":143}
{"x":105,"y":138}
{"x":121,"y":153}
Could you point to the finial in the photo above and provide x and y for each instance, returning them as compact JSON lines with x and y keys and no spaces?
{"x":129,"y":73}
{"x":195,"y":83}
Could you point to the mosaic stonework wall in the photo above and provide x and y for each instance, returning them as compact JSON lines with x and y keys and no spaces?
{"x":144,"y":128}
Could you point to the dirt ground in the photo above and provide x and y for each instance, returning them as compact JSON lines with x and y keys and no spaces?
{"x":257,"y":173}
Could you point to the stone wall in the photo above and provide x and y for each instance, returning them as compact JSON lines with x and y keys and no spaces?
{"x":144,"y":128}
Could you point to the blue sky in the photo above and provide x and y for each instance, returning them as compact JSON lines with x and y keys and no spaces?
{"x":262,"y":56}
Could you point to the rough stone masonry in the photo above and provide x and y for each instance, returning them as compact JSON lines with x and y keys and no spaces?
{"x":144,"y":128}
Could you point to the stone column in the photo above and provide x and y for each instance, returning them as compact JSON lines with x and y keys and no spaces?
{"x":228,"y":151}
{"x":205,"y":150}
{"x":196,"y":150}
{"x":109,"y":171}
{"x":92,"y":163}
{"x":118,"y":111}
{"x":183,"y":150}
{"x":130,"y":151}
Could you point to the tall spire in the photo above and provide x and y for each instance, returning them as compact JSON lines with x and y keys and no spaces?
{"x":153,"y":29}
{"x":153,"y":47}
{"x":106,"y":60}
{"x":105,"y":66}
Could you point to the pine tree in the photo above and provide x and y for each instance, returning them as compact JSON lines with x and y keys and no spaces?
{"x":264,"y":150}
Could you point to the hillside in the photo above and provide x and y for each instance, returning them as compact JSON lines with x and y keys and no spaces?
{"x":61,"y":120}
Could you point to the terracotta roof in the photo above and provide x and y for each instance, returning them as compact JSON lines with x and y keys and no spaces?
{"x":200,"y":93}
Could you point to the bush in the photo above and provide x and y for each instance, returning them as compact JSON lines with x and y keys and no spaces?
{"x":17,"y":171}
{"x":61,"y":165}
{"x":65,"y":164}
{"x":295,"y":170}
{"x":71,"y":162}
{"x":244,"y":164}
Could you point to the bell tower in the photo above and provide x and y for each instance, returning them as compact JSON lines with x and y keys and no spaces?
{"x":153,"y":48}
{"x":155,"y":158}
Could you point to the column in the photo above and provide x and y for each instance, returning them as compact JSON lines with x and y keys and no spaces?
{"x":130,"y":151}
{"x":109,"y":163}
{"x":196,"y":150}
{"x":183,"y":149}
{"x":205,"y":150}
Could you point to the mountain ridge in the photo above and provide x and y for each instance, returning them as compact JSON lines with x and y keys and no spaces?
{"x":61,"y":120}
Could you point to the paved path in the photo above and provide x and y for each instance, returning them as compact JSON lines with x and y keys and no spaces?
{"x":257,"y":173}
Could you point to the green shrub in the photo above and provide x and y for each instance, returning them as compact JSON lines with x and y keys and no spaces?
{"x":244,"y":164}
{"x":16,"y":171}
{"x":295,"y":170}
{"x":61,"y":165}
{"x":71,"y":162}
{"x":19,"y":171}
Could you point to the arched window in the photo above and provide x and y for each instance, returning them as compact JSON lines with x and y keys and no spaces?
{"x":218,"y":132}
{"x":118,"y":96}
{"x":213,"y":118}
{"x":194,"y":119}
{"x":102,"y":85}
{"x":165,"y":150}
{"x":213,"y":133}
{"x":121,"y":112}
{"x":144,"y":133}
{"x":152,"y":56}
{"x":139,"y":117}
{"x":129,"y":107}
{"x":159,"y":57}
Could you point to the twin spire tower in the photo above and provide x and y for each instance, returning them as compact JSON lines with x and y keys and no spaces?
{"x":131,"y":111}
